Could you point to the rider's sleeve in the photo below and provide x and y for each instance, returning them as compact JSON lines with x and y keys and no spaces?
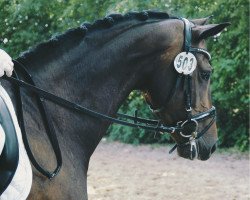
{"x":6,"y":64}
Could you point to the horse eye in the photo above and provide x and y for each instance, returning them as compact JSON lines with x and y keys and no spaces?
{"x":205,"y":75}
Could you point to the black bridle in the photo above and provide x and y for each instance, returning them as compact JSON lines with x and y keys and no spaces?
{"x":122,"y":119}
{"x":189,"y":127}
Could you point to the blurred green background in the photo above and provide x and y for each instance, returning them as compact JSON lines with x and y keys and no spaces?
{"x":25,"y":23}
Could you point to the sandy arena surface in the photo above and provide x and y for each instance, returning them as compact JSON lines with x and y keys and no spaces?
{"x":125,"y":172}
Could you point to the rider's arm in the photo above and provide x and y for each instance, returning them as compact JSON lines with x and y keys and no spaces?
{"x":6,"y":64}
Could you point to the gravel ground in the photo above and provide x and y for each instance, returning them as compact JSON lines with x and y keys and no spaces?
{"x":125,"y":172}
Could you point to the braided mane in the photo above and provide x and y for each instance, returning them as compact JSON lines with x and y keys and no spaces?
{"x":76,"y":34}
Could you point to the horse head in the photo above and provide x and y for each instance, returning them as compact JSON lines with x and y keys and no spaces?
{"x":185,"y":97}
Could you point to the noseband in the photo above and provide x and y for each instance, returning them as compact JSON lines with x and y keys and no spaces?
{"x":189,"y":128}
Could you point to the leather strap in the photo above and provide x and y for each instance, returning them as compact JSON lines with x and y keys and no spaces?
{"x":50,"y":131}
{"x":187,"y":35}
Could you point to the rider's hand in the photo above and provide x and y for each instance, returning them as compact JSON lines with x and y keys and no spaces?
{"x":6,"y":64}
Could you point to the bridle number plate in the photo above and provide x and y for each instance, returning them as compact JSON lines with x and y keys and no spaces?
{"x":185,"y":63}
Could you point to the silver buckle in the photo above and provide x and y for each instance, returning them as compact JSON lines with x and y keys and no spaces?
{"x":189,"y":109}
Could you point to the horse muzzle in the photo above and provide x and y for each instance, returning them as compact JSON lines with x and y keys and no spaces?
{"x":188,"y":151}
{"x":205,"y":150}
{"x":198,"y":150}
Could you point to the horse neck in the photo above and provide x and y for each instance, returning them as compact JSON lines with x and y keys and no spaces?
{"x":97,"y":72}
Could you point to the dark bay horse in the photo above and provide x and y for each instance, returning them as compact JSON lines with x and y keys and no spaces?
{"x":97,"y":65}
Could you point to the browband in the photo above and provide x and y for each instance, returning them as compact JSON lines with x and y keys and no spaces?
{"x":202,"y":51}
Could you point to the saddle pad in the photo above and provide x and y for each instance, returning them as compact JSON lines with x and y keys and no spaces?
{"x":2,"y":139}
{"x":20,"y":185}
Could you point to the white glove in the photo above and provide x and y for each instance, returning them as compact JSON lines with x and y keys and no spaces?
{"x":6,"y":64}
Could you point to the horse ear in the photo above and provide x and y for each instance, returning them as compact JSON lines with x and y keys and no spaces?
{"x":201,"y":21}
{"x":203,"y":32}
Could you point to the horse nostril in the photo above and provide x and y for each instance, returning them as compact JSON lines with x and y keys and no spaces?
{"x":213,"y":148}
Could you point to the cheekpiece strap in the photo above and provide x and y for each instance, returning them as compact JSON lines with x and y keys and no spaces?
{"x":188,"y":40}
{"x":187,"y":35}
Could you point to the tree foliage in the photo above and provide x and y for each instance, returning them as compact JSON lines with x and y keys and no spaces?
{"x":25,"y":23}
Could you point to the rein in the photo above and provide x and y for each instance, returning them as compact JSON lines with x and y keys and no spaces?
{"x":122,"y":119}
